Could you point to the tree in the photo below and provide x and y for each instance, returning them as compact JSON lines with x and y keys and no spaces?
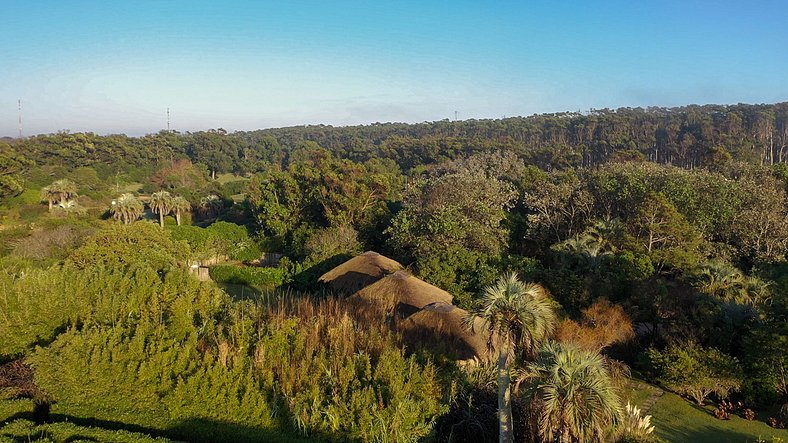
{"x":559,"y":207}
{"x":48,"y":193}
{"x":126,"y":208}
{"x":180,"y":205}
{"x":63,"y":190}
{"x":697,"y":372}
{"x":574,"y":393}
{"x":517,"y":315}
{"x":454,"y":210}
{"x":161,"y":203}
{"x":603,"y":324}
{"x":12,"y":164}
{"x":211,"y":205}
{"x":664,"y":233}
{"x":724,"y":281}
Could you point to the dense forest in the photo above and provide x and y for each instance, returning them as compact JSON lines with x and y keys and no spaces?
{"x":609,"y":255}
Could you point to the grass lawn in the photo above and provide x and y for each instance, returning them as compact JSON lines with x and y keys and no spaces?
{"x":72,"y":423}
{"x":16,"y":426}
{"x":228,"y":177}
{"x":677,"y":420}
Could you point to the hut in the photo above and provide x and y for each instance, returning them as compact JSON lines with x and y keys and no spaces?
{"x":360,"y":272}
{"x":442,"y":328}
{"x":399,"y":293}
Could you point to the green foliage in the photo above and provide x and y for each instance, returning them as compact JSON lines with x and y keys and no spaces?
{"x":129,"y":246}
{"x":457,"y":210}
{"x":330,"y":242}
{"x":36,"y":305}
{"x":461,"y":272}
{"x":697,"y":372}
{"x":250,"y":276}
{"x":573,"y":393}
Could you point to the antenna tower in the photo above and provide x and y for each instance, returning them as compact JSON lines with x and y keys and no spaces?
{"x":168,"y":119}
{"x":19,"y":106}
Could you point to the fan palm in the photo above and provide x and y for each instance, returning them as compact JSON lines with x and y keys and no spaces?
{"x":62,"y":190}
{"x":722,"y":280}
{"x":49,"y":194}
{"x":180,"y":205}
{"x":161,"y":203}
{"x":126,"y":208}
{"x":210,"y":205}
{"x":574,"y":392}
{"x":520,"y":316}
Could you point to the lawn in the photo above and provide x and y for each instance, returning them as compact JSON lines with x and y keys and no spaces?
{"x":16,"y":426}
{"x":71,"y":423}
{"x":677,"y":420}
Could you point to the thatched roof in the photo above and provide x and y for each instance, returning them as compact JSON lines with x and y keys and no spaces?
{"x":400,"y":292}
{"x":359,"y":272}
{"x":442,"y":328}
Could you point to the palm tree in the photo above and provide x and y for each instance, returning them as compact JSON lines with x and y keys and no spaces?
{"x":126,"y":208}
{"x":64,"y":190}
{"x":210,"y":205}
{"x":518,"y":315}
{"x":724,"y":281}
{"x":49,"y":194}
{"x":161,"y":203}
{"x":179,"y":205}
{"x":574,"y":392}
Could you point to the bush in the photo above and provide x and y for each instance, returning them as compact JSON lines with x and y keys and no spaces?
{"x":137,"y":244}
{"x":697,"y":372}
{"x":250,"y":276}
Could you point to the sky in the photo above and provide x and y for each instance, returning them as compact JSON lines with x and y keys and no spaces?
{"x":117,"y":66}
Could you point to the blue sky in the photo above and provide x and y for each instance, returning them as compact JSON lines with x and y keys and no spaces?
{"x":116,"y":66}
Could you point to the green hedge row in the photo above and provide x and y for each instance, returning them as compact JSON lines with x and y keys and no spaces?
{"x":257,"y":277}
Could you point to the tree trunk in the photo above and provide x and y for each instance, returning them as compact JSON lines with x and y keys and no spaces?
{"x":178,"y":217}
{"x":50,"y":205}
{"x":161,"y":218}
{"x":506,"y":433}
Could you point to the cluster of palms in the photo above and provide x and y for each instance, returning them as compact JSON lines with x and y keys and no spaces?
{"x":570,"y":389}
{"x":128,"y":208}
{"x":61,"y":192}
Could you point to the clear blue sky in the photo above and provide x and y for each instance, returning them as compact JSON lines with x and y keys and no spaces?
{"x":115,"y":66}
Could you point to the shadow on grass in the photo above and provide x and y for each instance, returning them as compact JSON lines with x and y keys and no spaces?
{"x":191,"y":430}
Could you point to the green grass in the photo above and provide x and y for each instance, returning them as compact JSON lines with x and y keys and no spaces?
{"x":677,"y":420}
{"x":228,"y":177}
{"x":76,"y":424}
{"x":16,"y":426}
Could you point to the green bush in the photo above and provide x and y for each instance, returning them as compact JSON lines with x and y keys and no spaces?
{"x":234,"y":187}
{"x":37,"y":305}
{"x":137,"y":244}
{"x":250,"y":276}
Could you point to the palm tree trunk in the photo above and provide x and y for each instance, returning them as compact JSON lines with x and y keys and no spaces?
{"x":50,"y":205}
{"x":178,"y":217}
{"x":161,"y":218}
{"x":505,"y":431}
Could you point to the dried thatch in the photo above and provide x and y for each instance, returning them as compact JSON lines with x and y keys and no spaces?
{"x":360,"y":272}
{"x":442,"y":328}
{"x":399,"y":292}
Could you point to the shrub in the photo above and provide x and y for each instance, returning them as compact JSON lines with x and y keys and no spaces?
{"x":137,"y":244}
{"x":250,"y":276}
{"x":697,"y":372}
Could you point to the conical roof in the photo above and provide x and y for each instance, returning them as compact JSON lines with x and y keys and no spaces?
{"x":359,"y":272}
{"x":443,"y":328}
{"x":402,"y":292}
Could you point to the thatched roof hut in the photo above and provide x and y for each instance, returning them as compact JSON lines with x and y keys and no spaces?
{"x":399,"y":292}
{"x":442,"y":328}
{"x":360,"y":272}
